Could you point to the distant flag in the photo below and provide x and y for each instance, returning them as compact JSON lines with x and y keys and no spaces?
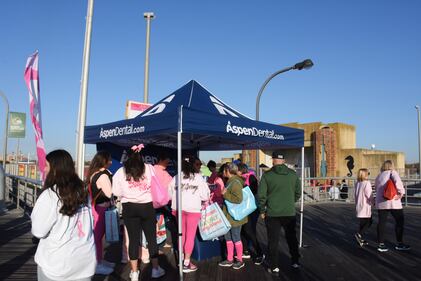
{"x":32,"y":82}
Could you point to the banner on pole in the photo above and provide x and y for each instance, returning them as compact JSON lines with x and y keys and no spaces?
{"x":31,"y":77}
{"x":17,"y":125}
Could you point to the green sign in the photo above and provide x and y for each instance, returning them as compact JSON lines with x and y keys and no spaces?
{"x":17,"y":123}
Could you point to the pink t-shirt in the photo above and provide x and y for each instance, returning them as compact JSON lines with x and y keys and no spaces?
{"x":133,"y":191}
{"x":163,"y":177}
{"x":216,"y":190}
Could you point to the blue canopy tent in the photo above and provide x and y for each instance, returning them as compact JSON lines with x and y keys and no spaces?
{"x":193,"y":118}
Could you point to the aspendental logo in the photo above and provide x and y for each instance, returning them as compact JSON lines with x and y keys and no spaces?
{"x":253,"y":131}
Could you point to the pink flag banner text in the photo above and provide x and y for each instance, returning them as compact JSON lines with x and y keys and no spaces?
{"x":32,"y":82}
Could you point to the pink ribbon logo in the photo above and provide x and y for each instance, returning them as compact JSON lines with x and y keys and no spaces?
{"x":80,"y":229}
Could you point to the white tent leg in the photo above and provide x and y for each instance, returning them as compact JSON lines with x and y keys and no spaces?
{"x":302,"y":198}
{"x":180,"y":241}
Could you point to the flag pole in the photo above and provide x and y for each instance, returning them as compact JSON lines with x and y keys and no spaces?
{"x":80,"y":151}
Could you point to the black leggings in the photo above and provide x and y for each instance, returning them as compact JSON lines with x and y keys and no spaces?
{"x":397,"y":214}
{"x":138,"y":217}
{"x":248,"y":234}
{"x":365,"y":223}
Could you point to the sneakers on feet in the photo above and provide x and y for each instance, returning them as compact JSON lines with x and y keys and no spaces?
{"x":259,"y":260}
{"x":103,"y":269}
{"x":238,"y":265}
{"x":226,"y":263}
{"x":359,"y":239}
{"x":134,"y":275}
{"x":274,"y":271}
{"x":158,"y":272}
{"x":108,"y":263}
{"x":382,"y":248}
{"x":189,"y":268}
{"x":246,"y":255}
{"x":402,"y":247}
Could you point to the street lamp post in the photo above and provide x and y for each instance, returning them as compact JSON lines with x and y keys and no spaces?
{"x":306,"y":64}
{"x":6,"y":102}
{"x":148,"y":16}
{"x":2,"y":173}
{"x":417,"y":107}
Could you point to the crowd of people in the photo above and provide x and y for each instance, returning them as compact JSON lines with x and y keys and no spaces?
{"x":69,"y":215}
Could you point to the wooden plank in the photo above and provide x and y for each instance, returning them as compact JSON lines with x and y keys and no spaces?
{"x":331,"y":252}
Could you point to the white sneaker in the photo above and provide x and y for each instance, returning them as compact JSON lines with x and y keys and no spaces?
{"x":108,"y":263}
{"x":158,"y":272}
{"x":103,"y":269}
{"x":134,"y":275}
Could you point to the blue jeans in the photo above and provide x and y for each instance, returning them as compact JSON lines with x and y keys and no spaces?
{"x":234,"y":234}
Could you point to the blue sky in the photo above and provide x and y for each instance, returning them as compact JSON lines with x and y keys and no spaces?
{"x":366,"y":56}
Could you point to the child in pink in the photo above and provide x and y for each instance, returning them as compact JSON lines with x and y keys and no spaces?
{"x":194,"y":190}
{"x":363,"y":202}
{"x":217,"y":184}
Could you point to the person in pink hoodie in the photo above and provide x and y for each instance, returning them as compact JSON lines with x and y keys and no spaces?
{"x":216,"y":183}
{"x":194,"y":191}
{"x":394,"y":206}
{"x":132,"y":183}
{"x":165,"y":178}
{"x":363,"y":202}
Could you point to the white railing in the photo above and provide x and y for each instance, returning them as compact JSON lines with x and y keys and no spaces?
{"x":22,"y":191}
{"x":319,"y":190}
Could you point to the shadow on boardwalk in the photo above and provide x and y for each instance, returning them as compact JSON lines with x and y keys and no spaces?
{"x":330,"y":252}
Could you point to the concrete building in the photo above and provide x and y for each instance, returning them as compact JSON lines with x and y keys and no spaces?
{"x":330,"y":151}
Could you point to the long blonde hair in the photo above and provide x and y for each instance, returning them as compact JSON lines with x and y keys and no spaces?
{"x":387,"y":165}
{"x":363,"y":174}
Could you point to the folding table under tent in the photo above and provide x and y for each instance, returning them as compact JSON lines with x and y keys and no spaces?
{"x":193,"y":118}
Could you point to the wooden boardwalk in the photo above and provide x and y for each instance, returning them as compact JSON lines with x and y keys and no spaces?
{"x":330,"y":252}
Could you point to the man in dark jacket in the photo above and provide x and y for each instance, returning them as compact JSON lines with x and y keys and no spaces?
{"x":278,"y":191}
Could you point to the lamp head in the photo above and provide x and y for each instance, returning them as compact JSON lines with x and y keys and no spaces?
{"x":305,"y":64}
{"x":417,"y":107}
{"x":147,"y":15}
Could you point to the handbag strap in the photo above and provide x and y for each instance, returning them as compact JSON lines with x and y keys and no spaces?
{"x":90,"y":192}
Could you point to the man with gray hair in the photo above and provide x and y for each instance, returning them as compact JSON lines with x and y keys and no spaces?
{"x":278,"y":191}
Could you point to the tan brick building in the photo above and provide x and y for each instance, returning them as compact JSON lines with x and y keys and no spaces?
{"x":330,"y":150}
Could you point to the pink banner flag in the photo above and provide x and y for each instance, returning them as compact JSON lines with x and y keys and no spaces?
{"x":32,"y":82}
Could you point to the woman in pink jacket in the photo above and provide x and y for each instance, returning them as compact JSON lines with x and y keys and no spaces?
{"x":393,"y":206}
{"x":363,"y":202}
{"x":132,"y":183}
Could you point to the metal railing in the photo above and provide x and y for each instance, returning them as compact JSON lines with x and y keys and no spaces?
{"x":320,"y":190}
{"x":22,"y":192}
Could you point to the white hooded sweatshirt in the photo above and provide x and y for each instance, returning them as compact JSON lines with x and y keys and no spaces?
{"x":66,"y":250}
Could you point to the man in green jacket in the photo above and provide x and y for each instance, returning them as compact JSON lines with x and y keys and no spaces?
{"x":278,"y":191}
